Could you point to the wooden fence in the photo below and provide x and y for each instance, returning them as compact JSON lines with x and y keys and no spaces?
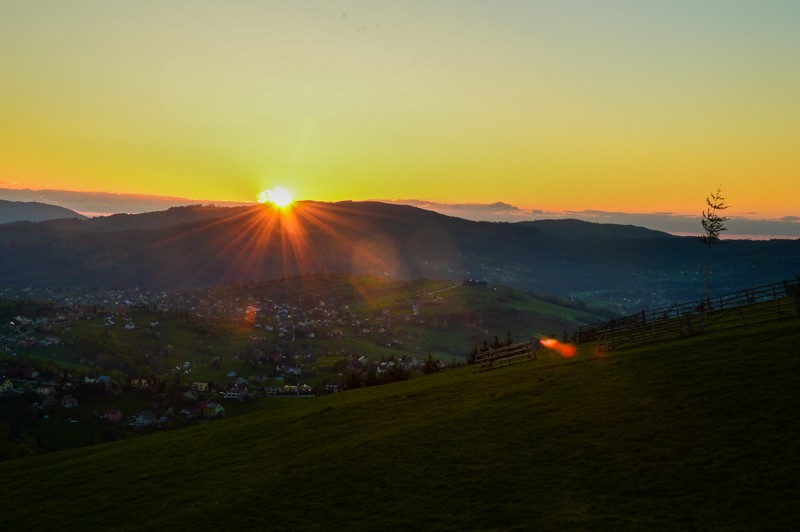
{"x":753,"y":305}
{"x":505,"y":356}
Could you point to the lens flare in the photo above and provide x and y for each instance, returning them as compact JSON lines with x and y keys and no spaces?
{"x":250,"y":316}
{"x":565,"y":350}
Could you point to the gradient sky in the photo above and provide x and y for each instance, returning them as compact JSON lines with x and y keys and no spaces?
{"x":635,"y":106}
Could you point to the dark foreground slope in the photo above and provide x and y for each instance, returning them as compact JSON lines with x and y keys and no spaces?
{"x":696,"y":434}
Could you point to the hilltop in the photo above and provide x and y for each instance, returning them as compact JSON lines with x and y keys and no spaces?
{"x":694,"y":434}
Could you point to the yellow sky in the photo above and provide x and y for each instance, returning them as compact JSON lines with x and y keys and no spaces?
{"x":618,"y":105}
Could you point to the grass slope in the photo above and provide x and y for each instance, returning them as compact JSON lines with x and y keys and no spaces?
{"x":700,"y":433}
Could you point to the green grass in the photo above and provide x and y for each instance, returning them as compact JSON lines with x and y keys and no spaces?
{"x":700,"y":433}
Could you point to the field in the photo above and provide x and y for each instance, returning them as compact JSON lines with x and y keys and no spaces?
{"x":698,"y":433}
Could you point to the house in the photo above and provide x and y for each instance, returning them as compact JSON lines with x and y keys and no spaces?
{"x":200,"y":386}
{"x":212,"y":409}
{"x":234,"y":394}
{"x":237,"y":392}
{"x":145,"y":419}
{"x":69,"y":401}
{"x":108,"y":384}
{"x":50,"y":400}
{"x":45,"y":389}
{"x":6,"y":386}
{"x":112,"y":415}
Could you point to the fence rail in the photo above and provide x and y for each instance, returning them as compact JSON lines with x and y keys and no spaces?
{"x":753,"y":305}
{"x":505,"y":356}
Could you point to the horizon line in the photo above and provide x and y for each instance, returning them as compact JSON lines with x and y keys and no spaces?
{"x":746,"y":226}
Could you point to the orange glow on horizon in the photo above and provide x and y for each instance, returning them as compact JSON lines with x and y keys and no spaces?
{"x":559,"y":108}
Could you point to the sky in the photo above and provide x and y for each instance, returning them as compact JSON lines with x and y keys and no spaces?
{"x":632,"y":107}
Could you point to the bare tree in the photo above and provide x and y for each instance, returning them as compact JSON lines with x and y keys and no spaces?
{"x":713,"y":224}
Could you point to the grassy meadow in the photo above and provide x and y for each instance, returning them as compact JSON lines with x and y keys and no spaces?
{"x":700,"y":433}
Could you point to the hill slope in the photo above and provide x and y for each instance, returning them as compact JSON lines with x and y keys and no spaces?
{"x":21,"y":211}
{"x":580,"y":230}
{"x":696,"y":434}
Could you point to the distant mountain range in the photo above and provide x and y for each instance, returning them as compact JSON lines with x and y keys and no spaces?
{"x":31,"y":211}
{"x":625,"y":267}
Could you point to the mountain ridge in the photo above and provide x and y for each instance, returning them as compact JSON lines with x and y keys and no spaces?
{"x":574,"y":229}
{"x":187,"y":247}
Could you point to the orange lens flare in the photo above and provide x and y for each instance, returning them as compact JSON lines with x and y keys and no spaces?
{"x":250,"y":316}
{"x":565,"y":350}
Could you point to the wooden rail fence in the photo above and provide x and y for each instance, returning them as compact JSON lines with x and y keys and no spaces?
{"x":753,"y":305}
{"x":506,"y":356}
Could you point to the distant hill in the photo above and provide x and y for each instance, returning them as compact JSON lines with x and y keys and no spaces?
{"x":159,"y":219}
{"x":572,"y":229}
{"x":696,"y":434}
{"x":21,"y":211}
{"x":623,"y":267}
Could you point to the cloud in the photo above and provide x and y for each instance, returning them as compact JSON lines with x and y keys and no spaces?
{"x":483,"y":212}
{"x":669,"y":222}
{"x":495,"y":208}
{"x":104,"y":203}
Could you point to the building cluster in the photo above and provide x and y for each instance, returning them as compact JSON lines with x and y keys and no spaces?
{"x":303,"y":318}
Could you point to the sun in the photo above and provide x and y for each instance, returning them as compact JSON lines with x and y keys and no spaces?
{"x":278,"y":196}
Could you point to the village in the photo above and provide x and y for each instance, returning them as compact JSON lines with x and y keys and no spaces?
{"x":127,"y":362}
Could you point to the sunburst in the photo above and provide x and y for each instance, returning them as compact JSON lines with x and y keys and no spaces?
{"x":278,"y":196}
